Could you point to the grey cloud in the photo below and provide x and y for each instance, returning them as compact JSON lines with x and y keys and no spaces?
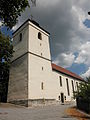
{"x":84,"y":4}
{"x":58,"y":17}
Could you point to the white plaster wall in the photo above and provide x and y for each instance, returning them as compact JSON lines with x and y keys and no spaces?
{"x":36,"y":45}
{"x":18,"y":80}
{"x":63,"y":88}
{"x":37,"y":76}
{"x":20,"y":47}
{"x":50,"y":78}
{"x":35,"y":63}
{"x":27,"y":74}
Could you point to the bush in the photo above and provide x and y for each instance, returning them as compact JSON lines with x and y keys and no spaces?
{"x":83,"y":96}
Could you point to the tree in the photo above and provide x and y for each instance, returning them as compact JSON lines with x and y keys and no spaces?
{"x":83,"y":96}
{"x":10,"y":10}
{"x":6,"y":51}
{"x":84,"y":90}
{"x":88,"y":79}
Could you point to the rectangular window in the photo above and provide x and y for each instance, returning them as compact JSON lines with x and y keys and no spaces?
{"x":67,"y":87}
{"x":60,"y":80}
{"x":20,"y":39}
{"x":42,"y":87}
{"x":77,"y":85}
{"x":72,"y":86}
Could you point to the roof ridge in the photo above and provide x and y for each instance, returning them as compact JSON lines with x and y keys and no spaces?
{"x":65,"y":71}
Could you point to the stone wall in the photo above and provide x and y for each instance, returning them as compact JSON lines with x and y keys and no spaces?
{"x":18,"y":81}
{"x":41,"y":102}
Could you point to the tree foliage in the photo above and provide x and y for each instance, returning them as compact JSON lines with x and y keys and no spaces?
{"x":10,"y":10}
{"x":6,"y":51}
{"x":84,"y":90}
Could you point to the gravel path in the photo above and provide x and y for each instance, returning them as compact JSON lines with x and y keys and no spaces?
{"x":50,"y":112}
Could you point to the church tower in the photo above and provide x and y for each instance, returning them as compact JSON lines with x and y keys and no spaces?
{"x":30,"y":73}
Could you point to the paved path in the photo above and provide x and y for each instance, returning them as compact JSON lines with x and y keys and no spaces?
{"x":51,"y":112}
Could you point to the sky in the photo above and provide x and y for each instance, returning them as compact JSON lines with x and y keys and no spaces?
{"x":69,"y":25}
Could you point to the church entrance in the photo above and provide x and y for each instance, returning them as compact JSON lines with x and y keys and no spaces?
{"x":62,"y":97}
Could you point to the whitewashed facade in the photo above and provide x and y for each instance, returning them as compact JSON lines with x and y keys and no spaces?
{"x":62,"y":87}
{"x":32,"y":77}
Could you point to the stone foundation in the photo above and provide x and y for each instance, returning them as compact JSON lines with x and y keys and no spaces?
{"x":40,"y":102}
{"x":34,"y":102}
{"x":20,"y":102}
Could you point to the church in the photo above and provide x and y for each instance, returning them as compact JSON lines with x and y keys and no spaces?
{"x":34,"y":79}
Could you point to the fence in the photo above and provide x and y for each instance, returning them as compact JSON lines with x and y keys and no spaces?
{"x":83,"y":104}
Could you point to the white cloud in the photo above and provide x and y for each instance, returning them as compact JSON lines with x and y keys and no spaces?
{"x":84,"y":54}
{"x":16,"y":27}
{"x":65,"y":60}
{"x":64,"y":20}
{"x":80,"y":15}
{"x":18,"y":24}
{"x":86,"y":74}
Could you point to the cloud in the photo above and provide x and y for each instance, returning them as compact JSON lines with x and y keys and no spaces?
{"x":64,"y":20}
{"x":86,"y":74}
{"x":65,"y":60}
{"x":19,"y":23}
{"x":84,"y":54}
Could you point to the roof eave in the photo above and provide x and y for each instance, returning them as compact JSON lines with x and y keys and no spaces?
{"x":33,"y":23}
{"x":67,"y":74}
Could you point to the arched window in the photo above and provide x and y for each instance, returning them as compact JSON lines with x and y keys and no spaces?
{"x":20,"y":37}
{"x":39,"y":36}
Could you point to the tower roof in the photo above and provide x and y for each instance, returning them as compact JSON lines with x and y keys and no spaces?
{"x":34,"y":22}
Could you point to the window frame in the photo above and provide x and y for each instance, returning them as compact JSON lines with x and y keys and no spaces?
{"x":20,"y":37}
{"x":72,"y":86}
{"x":39,"y":36}
{"x":42,"y":86}
{"x":77,"y":85}
{"x":60,"y":81}
{"x":68,"y":90}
